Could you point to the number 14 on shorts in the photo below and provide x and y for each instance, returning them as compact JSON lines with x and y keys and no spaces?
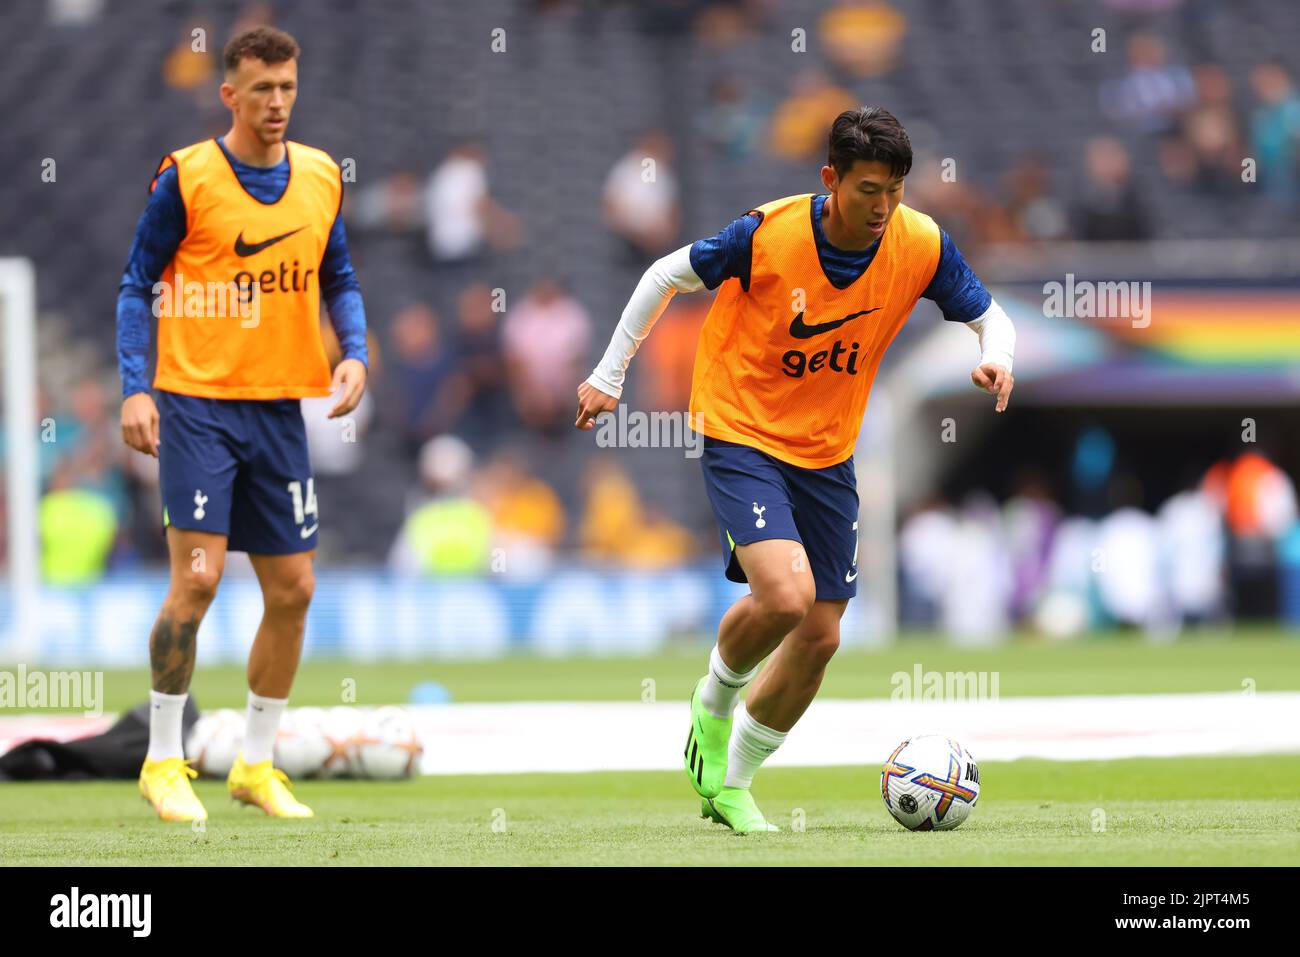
{"x":304,"y":507}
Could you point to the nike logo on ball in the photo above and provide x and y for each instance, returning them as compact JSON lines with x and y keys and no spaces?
{"x":801,"y":330}
{"x":247,"y":249}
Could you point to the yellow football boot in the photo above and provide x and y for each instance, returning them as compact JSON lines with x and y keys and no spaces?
{"x":265,"y":786}
{"x":166,"y":785}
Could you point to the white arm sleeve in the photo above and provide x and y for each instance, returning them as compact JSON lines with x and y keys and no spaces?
{"x":997,"y":336}
{"x":664,"y":279}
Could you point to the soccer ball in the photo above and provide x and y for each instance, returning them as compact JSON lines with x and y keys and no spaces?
{"x":214,"y":742}
{"x":300,"y":746}
{"x":341,"y":727}
{"x":388,"y":746}
{"x":930,"y":783}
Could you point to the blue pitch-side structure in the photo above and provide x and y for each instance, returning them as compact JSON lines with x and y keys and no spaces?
{"x":367,"y":615}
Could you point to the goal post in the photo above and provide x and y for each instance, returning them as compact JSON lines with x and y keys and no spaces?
{"x":22,"y":472}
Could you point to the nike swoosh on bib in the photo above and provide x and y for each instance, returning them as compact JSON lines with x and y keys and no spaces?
{"x":247,"y":249}
{"x":801,"y":330}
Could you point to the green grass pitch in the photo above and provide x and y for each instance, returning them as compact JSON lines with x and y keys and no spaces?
{"x":1173,"y":811}
{"x":1203,"y":811}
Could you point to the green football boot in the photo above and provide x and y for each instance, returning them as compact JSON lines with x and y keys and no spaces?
{"x":735,"y":808}
{"x":706,"y":747}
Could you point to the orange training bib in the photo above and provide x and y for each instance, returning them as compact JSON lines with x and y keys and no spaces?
{"x":786,"y":366}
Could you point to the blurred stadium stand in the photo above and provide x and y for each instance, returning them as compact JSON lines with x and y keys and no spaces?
{"x":1055,"y":145}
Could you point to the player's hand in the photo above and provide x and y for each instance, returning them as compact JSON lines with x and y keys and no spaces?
{"x":592,"y":402}
{"x":350,"y":374}
{"x":140,"y":423}
{"x":995,"y":380}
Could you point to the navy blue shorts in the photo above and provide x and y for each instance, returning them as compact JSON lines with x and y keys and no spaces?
{"x":756,"y":497}
{"x":239,"y":468}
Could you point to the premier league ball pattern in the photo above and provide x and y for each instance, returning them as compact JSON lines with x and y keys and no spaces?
{"x":382,"y":744}
{"x":930,"y":783}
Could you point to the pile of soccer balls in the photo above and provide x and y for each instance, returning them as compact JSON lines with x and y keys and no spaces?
{"x":342,"y":742}
{"x":930,"y":783}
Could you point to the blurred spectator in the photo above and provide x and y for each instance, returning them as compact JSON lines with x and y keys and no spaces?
{"x":799,"y":127}
{"x":968,"y":215}
{"x":735,"y":118}
{"x":461,"y":214}
{"x":1192,"y":554}
{"x":1029,"y":519}
{"x":975,"y":600}
{"x":1128,"y":563}
{"x":1036,"y":214}
{"x":546,"y":338}
{"x":77,"y":527}
{"x":640,"y":198}
{"x":1127,"y":566}
{"x":527,"y":516}
{"x":1091,"y":465}
{"x":90,"y":443}
{"x":450,"y":531}
{"x":1258,"y":502}
{"x":426,"y":390}
{"x":482,"y":364}
{"x":1256,"y":497}
{"x":392,"y":205}
{"x":1110,"y":207}
{"x":1207,"y":154}
{"x":188,"y":69}
{"x":924,"y":540}
{"x":955,"y":570}
{"x":1275,"y":132}
{"x":863,"y":37}
{"x":617,"y":528}
{"x":1067,"y":605}
{"x":1153,"y":94}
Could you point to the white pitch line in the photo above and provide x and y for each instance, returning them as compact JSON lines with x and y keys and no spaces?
{"x":512,"y":737}
{"x":634,"y":736}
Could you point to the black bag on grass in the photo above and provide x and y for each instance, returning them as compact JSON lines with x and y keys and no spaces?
{"x":117,"y":753}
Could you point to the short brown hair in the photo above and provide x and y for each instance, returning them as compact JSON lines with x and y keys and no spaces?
{"x":260,"y":43}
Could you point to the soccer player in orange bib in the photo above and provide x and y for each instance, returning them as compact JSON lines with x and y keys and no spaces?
{"x":812,"y":289}
{"x":241,"y":238}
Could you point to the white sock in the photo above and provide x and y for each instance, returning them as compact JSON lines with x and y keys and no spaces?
{"x":751,"y":744}
{"x":722,"y":690}
{"x":261,"y":728}
{"x":165,"y":714}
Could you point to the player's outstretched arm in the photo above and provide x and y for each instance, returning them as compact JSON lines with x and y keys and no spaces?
{"x":997,"y":345}
{"x":664,"y":279}
{"x":961,"y":297}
